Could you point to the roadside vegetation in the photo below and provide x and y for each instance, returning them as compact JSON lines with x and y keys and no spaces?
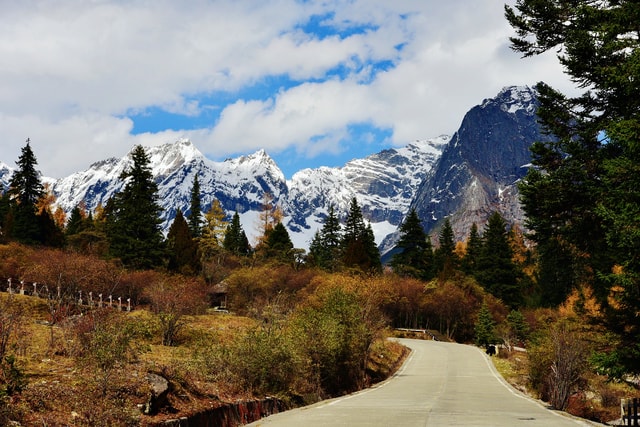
{"x":217,"y":318}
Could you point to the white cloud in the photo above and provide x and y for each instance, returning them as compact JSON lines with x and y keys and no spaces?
{"x":72,"y":71}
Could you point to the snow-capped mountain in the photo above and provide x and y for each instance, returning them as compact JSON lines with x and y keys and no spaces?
{"x":465,"y":177}
{"x":383,"y":183}
{"x":478,"y":171}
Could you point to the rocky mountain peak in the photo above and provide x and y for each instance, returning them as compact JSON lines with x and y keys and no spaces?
{"x":478,"y":171}
{"x":513,"y":99}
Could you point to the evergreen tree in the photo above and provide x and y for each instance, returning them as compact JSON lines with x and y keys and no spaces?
{"x":6,"y":217}
{"x":372,"y":251}
{"x":235,"y":239}
{"x":593,"y":160}
{"x":445,"y":257}
{"x":316,"y":251}
{"x":133,"y":219}
{"x":518,"y":325}
{"x":76,"y":221}
{"x":485,"y":327}
{"x":496,"y":271}
{"x":181,"y":247}
{"x":195,"y":210}
{"x":50,"y":233}
{"x":25,"y":190}
{"x":325,"y":248}
{"x":278,"y":245}
{"x":416,"y":256}
{"x":358,"y":243}
{"x":472,"y":253}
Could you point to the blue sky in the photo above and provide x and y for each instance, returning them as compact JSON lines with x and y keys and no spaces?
{"x":312,"y":82}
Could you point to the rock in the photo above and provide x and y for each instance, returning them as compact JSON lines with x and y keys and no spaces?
{"x":158,"y":396}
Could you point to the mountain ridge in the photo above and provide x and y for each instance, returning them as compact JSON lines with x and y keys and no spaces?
{"x":432,"y":175}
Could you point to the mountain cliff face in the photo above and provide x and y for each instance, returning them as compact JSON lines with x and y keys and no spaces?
{"x":478,"y":171}
{"x":465,"y":177}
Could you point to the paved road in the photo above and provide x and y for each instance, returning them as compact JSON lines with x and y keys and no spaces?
{"x":441,"y":384}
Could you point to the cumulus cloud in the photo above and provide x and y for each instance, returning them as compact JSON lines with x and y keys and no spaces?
{"x":75,"y":74}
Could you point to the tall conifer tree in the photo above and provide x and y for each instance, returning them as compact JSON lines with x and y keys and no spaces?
{"x":415,"y":258}
{"x":324,"y":250}
{"x":581,"y":198}
{"x":278,"y":245}
{"x":472,"y":253}
{"x":446,"y":259}
{"x":235,"y":239}
{"x":195,"y":209}
{"x":133,"y":228}
{"x":495,"y":270}
{"x":358,"y":242}
{"x":181,"y":247}
{"x":25,"y":189}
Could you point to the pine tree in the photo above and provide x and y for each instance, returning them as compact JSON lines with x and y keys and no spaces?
{"x":181,"y":247}
{"x":325,"y":248}
{"x":496,"y":271}
{"x":50,"y":233}
{"x":373,"y":253}
{"x":195,"y":209}
{"x":472,"y":253}
{"x":445,"y":257}
{"x":581,"y":198}
{"x":25,"y":190}
{"x":279,"y":246}
{"x":485,"y":327}
{"x":358,"y":242}
{"x":415,"y":258}
{"x":235,"y":239}
{"x":75,"y":223}
{"x":133,"y":219}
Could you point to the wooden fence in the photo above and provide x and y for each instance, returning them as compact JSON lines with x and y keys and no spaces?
{"x":629,"y":409}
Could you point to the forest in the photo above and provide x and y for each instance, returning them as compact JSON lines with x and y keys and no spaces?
{"x":221,"y":318}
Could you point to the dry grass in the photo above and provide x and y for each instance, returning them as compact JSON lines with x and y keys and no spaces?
{"x":599,"y":400}
{"x":60,"y":386}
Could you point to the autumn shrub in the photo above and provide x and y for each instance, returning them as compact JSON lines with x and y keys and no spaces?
{"x":171,"y":298}
{"x":336,"y":328}
{"x":452,"y":310}
{"x":102,"y":340}
{"x":250,"y":289}
{"x":406,"y":303}
{"x":14,"y":257}
{"x":558,"y":362}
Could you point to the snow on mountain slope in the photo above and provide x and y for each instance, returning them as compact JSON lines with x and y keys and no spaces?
{"x":468,"y":175}
{"x":238,"y":183}
{"x":5,"y":176}
{"x":478,"y":172}
{"x":384,"y":185}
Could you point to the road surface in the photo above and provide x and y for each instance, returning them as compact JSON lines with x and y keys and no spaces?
{"x":441,"y":384}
